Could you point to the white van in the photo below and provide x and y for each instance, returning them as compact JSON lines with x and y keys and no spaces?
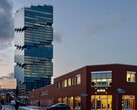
{"x":12,"y":102}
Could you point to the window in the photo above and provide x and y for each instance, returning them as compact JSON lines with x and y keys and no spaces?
{"x":128,"y":102}
{"x":131,"y":76}
{"x":69,"y":82}
{"x":78,"y":79}
{"x":59,"y":84}
{"x":101,"y":78}
{"x":73,"y":81}
{"x":77,"y":102}
{"x":64,"y":100}
{"x":64,"y":83}
{"x":101,"y":102}
{"x":59,"y":100}
{"x":70,"y":102}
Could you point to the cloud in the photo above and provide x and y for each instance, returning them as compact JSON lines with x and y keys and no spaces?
{"x":6,"y":56}
{"x":9,"y":76}
{"x":3,"y":55}
{"x":6,"y":24}
{"x":108,"y":25}
{"x":57,"y":37}
{"x":8,"y":81}
{"x":3,"y":59}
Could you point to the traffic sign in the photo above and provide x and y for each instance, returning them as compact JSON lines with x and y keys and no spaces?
{"x":84,"y":95}
{"x":120,"y":91}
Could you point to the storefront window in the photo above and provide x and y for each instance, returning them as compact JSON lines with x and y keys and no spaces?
{"x":70,"y":102}
{"x":101,"y":102}
{"x":65,"y":100}
{"x":131,"y":76}
{"x":101,"y":78}
{"x":77,"y":102}
{"x":59,"y":100}
{"x":128,"y":102}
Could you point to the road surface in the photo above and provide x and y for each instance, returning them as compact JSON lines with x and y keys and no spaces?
{"x":9,"y":107}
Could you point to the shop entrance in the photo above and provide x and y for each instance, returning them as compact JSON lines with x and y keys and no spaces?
{"x":101,"y":102}
{"x":128,"y":102}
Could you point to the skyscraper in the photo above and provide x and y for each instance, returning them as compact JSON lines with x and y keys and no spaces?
{"x":34,"y":50}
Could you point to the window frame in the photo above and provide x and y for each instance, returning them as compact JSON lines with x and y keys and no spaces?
{"x":99,"y":75}
{"x":131,"y":79}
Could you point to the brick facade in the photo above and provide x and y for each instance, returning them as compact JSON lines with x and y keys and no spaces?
{"x":84,"y":90}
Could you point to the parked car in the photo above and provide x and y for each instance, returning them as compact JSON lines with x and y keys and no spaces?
{"x":13,"y":102}
{"x":59,"y":106}
{"x":23,"y":103}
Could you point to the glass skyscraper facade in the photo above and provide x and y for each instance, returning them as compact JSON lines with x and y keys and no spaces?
{"x":33,"y":47}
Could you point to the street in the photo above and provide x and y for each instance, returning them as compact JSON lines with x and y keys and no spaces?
{"x":9,"y":107}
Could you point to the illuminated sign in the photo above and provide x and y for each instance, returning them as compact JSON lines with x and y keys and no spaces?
{"x":44,"y":93}
{"x":84,"y":95}
{"x":101,"y":90}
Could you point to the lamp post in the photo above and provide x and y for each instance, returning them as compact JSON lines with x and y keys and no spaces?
{"x":116,"y":101}
{"x":39,"y":98}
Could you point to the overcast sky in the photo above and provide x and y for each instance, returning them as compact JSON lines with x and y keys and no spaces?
{"x":85,"y":33}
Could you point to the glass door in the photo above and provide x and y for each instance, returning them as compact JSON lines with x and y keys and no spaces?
{"x":98,"y":104}
{"x":128,"y":102}
{"x":101,"y":102}
{"x":104,"y":104}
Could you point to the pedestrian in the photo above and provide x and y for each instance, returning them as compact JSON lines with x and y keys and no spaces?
{"x":38,"y":103}
{"x":17,"y":105}
{"x":0,"y":105}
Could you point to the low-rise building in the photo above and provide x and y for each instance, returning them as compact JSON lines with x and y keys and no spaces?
{"x":96,"y":87}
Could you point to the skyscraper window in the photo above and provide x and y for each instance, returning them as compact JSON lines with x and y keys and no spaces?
{"x":34,"y":50}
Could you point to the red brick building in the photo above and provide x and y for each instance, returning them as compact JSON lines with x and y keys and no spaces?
{"x":98,"y":87}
